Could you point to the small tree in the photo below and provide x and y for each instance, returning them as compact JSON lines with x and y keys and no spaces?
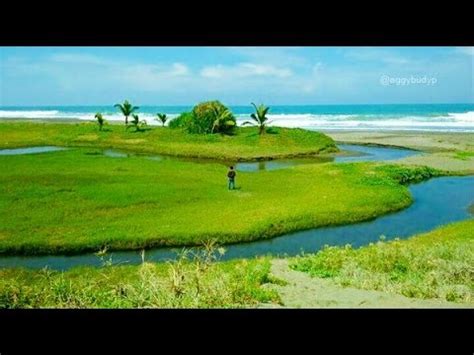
{"x":136,"y":122}
{"x":162,"y":118}
{"x":100,"y":120}
{"x":223,"y":121}
{"x":260,"y":118}
{"x":127,"y":109}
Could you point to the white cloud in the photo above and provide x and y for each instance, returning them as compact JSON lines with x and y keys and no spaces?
{"x":278,"y":56}
{"x":378,"y":55}
{"x":77,"y":59}
{"x":244,"y":70}
{"x":465,"y":50}
{"x":179,"y":69}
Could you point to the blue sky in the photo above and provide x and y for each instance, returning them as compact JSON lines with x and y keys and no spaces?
{"x":235,"y":75}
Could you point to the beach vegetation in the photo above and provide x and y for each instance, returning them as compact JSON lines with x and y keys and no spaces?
{"x":437,"y":264}
{"x":259,"y":118}
{"x":136,"y":123}
{"x":192,"y":281}
{"x":100,"y":120}
{"x":162,"y":117}
{"x":127,"y":109}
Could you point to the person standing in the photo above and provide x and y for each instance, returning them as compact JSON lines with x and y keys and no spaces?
{"x":231,"y":175}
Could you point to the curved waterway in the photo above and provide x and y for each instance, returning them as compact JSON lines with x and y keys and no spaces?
{"x":350,"y":153}
{"x":436,"y":202}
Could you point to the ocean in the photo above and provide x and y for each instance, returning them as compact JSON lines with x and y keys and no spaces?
{"x":424,"y":117}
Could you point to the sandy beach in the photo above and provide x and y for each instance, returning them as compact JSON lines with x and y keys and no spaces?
{"x":441,"y":150}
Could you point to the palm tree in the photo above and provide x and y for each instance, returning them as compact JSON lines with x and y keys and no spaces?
{"x":136,"y":122}
{"x":162,"y":118}
{"x":260,"y":118}
{"x":127,"y":109}
{"x":100,"y":120}
{"x":223,"y":121}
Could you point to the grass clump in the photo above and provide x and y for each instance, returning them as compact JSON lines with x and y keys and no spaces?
{"x":438,"y":264}
{"x":464,"y":155}
{"x":190,"y":282}
{"x":405,"y":175}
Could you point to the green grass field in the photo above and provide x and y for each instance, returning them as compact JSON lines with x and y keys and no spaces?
{"x":245,"y":145}
{"x":72,"y":201}
{"x":438,"y":264}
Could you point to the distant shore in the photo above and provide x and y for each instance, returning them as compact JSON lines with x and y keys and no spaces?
{"x":452,"y":151}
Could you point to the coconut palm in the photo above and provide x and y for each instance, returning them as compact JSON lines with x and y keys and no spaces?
{"x":136,"y":122}
{"x":100,"y":120}
{"x":162,"y":118}
{"x":223,"y":121}
{"x":127,"y":109}
{"x":260,"y":118}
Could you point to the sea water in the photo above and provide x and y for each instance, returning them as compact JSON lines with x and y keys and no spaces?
{"x":422,"y":117}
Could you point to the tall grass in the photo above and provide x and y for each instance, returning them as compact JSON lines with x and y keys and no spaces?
{"x":192,"y":281}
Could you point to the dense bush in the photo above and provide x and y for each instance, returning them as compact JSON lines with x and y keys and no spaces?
{"x":182,"y":121}
{"x":206,"y":117}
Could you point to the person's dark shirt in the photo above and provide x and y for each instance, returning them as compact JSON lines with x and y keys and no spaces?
{"x":231,"y":174}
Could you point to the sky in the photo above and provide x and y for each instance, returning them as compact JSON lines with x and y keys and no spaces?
{"x":46,"y":76}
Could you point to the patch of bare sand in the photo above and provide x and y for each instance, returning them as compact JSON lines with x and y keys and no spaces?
{"x":425,"y":141}
{"x":304,"y":291}
{"x":439,"y":147}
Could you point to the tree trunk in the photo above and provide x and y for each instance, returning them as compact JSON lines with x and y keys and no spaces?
{"x":126,"y":120}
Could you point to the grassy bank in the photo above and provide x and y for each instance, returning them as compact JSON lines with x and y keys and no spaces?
{"x":438,"y":264}
{"x":180,"y":284}
{"x":246,"y":144}
{"x":75,"y":201}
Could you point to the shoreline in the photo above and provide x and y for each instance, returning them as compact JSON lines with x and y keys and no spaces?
{"x":450,"y":151}
{"x":347,"y":130}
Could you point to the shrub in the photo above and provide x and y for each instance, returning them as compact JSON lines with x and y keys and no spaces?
{"x":182,"y":121}
{"x":205,"y":118}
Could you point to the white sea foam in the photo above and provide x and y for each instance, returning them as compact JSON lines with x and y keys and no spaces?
{"x":451,"y":121}
{"x":28,"y":114}
{"x":149,"y":118}
{"x":448,"y":122}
